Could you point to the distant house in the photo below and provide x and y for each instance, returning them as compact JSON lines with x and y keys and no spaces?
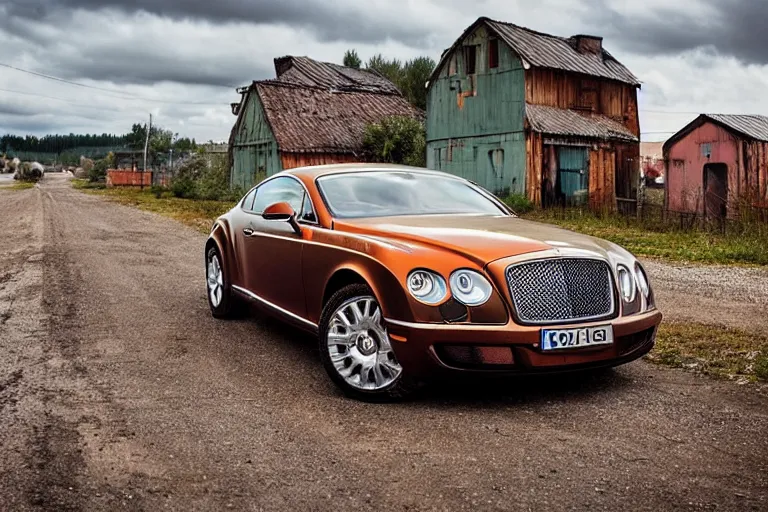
{"x":717,"y":163}
{"x":652,"y":163}
{"x":313,"y":113}
{"x":523,"y":112}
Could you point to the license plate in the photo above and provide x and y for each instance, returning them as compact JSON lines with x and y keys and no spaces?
{"x":559,"y":339}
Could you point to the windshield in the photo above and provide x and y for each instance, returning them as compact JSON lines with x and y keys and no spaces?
{"x":386,"y":193}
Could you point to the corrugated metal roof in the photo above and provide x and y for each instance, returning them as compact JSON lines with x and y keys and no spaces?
{"x":310,"y":119}
{"x":306,"y":71}
{"x":538,"y":49}
{"x":558,"y":121}
{"x":753,"y":126}
{"x":549,"y":51}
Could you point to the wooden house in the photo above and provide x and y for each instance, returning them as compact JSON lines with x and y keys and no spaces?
{"x":313,"y":113}
{"x":717,"y":164}
{"x":522,"y":112}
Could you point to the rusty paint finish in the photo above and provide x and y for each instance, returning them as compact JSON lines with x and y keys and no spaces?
{"x":565,"y":90}
{"x":120,"y":178}
{"x":491,"y":107}
{"x":291,"y":273}
{"x":710,"y":143}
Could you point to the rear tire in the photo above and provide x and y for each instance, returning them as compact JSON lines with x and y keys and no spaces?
{"x":355,"y":348}
{"x":222,"y":301}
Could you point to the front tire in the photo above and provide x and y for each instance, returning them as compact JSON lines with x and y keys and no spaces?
{"x":355,"y":348}
{"x":221,"y":299}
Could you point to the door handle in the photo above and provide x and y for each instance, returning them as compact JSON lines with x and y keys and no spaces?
{"x":247,"y":231}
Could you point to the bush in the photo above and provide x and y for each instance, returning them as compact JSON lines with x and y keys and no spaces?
{"x":398,"y":140}
{"x":98,"y":171}
{"x":204,"y":177}
{"x":519,"y":203}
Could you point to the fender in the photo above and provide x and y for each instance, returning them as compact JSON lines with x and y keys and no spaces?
{"x":221,"y":236}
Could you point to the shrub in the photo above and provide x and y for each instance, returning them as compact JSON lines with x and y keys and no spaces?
{"x":519,"y":203}
{"x":396,"y":139}
{"x":98,"y":171}
{"x":204,"y":177}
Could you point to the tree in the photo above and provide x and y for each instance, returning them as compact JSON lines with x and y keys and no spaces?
{"x":389,"y":69}
{"x":352,"y":60}
{"x":410,"y":78}
{"x":415,"y":74}
{"x":396,"y":139}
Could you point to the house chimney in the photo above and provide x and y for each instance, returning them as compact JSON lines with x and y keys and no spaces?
{"x":588,"y":44}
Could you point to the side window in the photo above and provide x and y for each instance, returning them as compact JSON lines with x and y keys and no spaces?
{"x":278,"y":190}
{"x":247,"y":203}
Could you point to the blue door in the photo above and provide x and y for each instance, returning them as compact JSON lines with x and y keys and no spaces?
{"x":573,"y":174}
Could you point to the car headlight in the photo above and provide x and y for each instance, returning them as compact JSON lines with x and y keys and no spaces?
{"x":470,"y":288}
{"x":642,"y":280}
{"x":427,"y":286}
{"x":626,"y":283}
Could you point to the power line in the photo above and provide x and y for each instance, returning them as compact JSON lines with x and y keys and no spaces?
{"x":123,"y":96}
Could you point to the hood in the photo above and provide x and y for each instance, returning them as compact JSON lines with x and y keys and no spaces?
{"x":482,"y":238}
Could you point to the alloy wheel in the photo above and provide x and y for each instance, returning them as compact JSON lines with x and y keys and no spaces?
{"x":215,"y":281}
{"x":359,"y":346}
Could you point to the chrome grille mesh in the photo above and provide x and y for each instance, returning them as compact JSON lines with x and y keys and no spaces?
{"x":561,"y":290}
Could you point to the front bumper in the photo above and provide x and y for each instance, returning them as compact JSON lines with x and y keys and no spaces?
{"x":423,"y":348}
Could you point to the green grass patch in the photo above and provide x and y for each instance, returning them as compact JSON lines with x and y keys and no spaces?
{"x":749,"y":246}
{"x":22,"y":185}
{"x":82,"y":184}
{"x":712,"y":350}
{"x":197,"y":213}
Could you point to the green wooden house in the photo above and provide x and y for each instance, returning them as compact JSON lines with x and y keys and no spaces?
{"x":313,"y":113}
{"x":522,"y":112}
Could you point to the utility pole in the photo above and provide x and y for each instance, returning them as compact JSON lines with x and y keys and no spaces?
{"x":146,"y":146}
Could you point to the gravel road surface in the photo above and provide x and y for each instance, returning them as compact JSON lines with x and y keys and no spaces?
{"x":118,"y":391}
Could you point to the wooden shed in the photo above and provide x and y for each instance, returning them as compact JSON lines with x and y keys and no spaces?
{"x":717,"y":164}
{"x":314,"y":113}
{"x":523,"y":112}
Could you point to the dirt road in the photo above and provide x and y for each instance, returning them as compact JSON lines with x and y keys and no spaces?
{"x":118,"y":391}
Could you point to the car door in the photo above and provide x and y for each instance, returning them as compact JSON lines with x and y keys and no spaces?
{"x":238,"y":222}
{"x":273,"y":249}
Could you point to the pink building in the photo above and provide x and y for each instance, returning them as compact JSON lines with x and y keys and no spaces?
{"x":716,"y":164}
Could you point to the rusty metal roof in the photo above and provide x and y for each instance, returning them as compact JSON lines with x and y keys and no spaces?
{"x":312,"y":119}
{"x":306,"y":71}
{"x":538,"y":49}
{"x":753,"y":126}
{"x":749,"y":126}
{"x":573,"y":123}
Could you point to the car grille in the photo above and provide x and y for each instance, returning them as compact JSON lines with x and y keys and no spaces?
{"x":563,"y":289}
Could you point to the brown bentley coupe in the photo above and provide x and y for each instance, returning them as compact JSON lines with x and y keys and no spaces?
{"x":403,"y":272}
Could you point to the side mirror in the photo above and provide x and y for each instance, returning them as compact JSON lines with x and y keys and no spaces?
{"x":282,"y":211}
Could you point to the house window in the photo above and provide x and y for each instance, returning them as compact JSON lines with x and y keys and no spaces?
{"x":493,"y":53}
{"x":470,"y":59}
{"x":706,"y":150}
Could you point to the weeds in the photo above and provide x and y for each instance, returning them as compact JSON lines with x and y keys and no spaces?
{"x":712,"y":350}
{"x":746,"y":245}
{"x":198,"y":214}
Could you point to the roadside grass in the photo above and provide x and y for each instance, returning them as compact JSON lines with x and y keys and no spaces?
{"x":716,"y":351}
{"x":747,"y":247}
{"x":198,"y":214}
{"x":21,"y":185}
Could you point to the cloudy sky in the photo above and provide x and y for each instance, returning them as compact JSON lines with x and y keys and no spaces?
{"x":181,"y":59}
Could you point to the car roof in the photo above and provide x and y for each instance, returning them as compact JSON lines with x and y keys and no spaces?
{"x":315,"y":171}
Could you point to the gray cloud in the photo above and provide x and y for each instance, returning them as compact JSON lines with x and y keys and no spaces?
{"x":329,"y":21}
{"x":723,"y":27}
{"x":10,"y":108}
